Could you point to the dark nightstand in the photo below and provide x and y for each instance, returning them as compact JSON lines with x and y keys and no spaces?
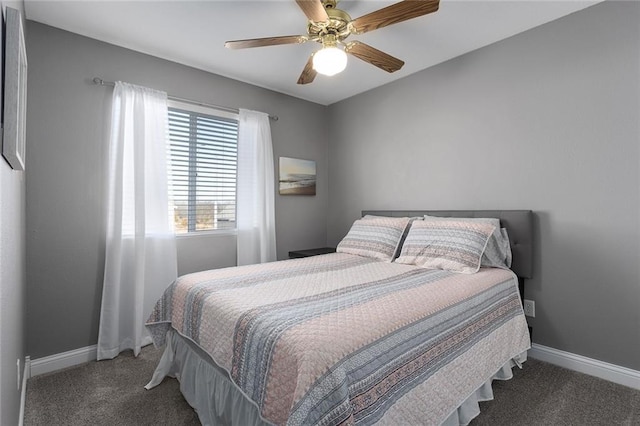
{"x":311,"y":252}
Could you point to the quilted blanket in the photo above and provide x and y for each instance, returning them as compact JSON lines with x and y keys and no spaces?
{"x":343,"y":339}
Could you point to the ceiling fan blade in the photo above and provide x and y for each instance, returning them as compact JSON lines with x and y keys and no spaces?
{"x":398,"y":12}
{"x":308,"y":73}
{"x":374,"y":56}
{"x":267,"y":41}
{"x":313,"y":9}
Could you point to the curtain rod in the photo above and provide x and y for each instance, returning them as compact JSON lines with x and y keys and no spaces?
{"x":100,"y":82}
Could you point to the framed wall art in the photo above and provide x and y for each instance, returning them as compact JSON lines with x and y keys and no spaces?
{"x":15,"y":91}
{"x":297,"y":177}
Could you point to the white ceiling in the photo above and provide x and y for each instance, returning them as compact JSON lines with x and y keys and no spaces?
{"x":193,"y":33}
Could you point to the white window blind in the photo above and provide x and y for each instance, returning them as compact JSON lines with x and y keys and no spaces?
{"x":203,"y":157}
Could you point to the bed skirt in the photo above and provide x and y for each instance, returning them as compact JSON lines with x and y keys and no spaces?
{"x":218,"y":401}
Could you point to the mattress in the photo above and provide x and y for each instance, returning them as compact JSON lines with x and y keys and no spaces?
{"x":341,"y":339}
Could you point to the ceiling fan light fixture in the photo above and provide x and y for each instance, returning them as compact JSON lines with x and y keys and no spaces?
{"x":330,"y":60}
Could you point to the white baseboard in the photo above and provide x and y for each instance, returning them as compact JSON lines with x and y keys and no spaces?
{"x":593,"y":367}
{"x":26,"y":373}
{"x":57,"y":362}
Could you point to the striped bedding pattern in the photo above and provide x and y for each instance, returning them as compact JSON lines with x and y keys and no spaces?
{"x":343,"y":339}
{"x":453,"y":245}
{"x":377,"y":237}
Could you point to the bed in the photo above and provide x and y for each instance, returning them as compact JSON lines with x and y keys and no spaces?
{"x":365,"y":335}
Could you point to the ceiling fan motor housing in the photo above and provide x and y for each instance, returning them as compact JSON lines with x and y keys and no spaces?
{"x":337,"y":25}
{"x":329,"y":4}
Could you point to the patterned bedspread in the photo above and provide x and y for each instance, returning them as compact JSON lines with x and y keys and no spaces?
{"x":342,"y":339}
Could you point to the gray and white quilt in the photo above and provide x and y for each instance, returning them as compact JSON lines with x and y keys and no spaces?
{"x":343,"y":339}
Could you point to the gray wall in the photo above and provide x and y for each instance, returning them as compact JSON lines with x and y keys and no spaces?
{"x":546,"y":120}
{"x":67,"y":151}
{"x":12,"y":280}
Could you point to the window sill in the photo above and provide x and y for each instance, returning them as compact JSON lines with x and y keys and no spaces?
{"x":216,"y":233}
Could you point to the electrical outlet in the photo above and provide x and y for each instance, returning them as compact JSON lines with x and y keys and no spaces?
{"x":18,"y":371}
{"x":529,"y":308}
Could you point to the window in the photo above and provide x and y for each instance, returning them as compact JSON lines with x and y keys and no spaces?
{"x":203,"y":156}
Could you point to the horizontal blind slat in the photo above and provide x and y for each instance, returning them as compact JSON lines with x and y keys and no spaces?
{"x":203,"y":153}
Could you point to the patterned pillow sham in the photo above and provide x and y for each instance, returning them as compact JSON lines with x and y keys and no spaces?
{"x":404,"y":234}
{"x":447,"y":244}
{"x":497,"y":254}
{"x":377,"y":237}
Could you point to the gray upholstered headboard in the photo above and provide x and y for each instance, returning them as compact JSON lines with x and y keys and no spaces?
{"x":519,"y":224}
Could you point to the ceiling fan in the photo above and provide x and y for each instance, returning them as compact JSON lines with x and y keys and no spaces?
{"x":331,"y":26}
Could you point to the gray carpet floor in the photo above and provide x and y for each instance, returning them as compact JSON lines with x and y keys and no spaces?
{"x":112,"y":393}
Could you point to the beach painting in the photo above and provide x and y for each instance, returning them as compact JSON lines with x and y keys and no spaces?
{"x":297,"y":177}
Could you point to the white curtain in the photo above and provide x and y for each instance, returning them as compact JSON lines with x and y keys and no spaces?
{"x":140,"y":259}
{"x":255,"y":192}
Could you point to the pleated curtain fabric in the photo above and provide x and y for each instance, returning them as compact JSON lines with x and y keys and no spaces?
{"x":256,"y":240}
{"x":140,"y":258}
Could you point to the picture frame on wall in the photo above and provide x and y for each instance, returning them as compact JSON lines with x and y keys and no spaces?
{"x":297,"y":177}
{"x":15,"y":91}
